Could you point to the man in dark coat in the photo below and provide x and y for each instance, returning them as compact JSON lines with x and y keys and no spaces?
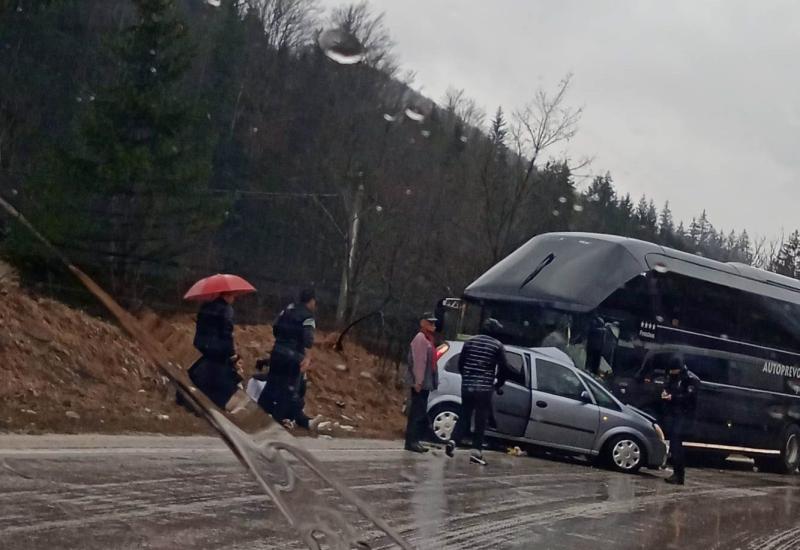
{"x":216,"y":373}
{"x":483,"y":368}
{"x":294,"y":329}
{"x":680,"y":398}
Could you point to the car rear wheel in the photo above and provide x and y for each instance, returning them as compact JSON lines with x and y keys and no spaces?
{"x":789,"y":459}
{"x":443,"y":419}
{"x":624,"y":453}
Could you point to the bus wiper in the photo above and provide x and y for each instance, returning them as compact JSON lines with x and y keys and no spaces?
{"x":544,"y":263}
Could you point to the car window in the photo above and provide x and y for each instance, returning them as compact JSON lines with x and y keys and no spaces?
{"x":558,"y":380}
{"x":452,"y":364}
{"x":516,"y":368}
{"x":600,"y":394}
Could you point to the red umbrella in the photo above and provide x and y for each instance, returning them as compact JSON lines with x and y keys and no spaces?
{"x":222,"y":283}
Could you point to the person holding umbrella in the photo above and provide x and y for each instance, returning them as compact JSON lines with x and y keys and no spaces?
{"x":218,"y":371}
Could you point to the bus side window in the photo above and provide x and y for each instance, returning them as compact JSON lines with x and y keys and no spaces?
{"x":655,"y":369}
{"x":708,"y":369}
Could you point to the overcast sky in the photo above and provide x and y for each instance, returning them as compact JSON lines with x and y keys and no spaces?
{"x":692,"y":101}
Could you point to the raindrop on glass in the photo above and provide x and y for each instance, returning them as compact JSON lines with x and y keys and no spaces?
{"x":408,"y":192}
{"x":660,"y":268}
{"x":562,"y":200}
{"x":19,"y":9}
{"x":152,"y":52}
{"x":412,"y":141}
{"x":215,"y":3}
{"x":91,"y":98}
{"x":79,"y":99}
{"x":659,"y":319}
{"x":341,"y":47}
{"x":426,"y":133}
{"x":464,"y":139}
{"x":14,"y":192}
{"x":389,"y":118}
{"x":227,"y":213}
{"x":414,"y":114}
{"x":379,"y":209}
{"x":556,"y":213}
{"x":577,"y":207}
{"x":174,"y":149}
{"x":153,"y":70}
{"x":254,"y":129}
{"x":593,"y":197}
{"x":208,"y":116}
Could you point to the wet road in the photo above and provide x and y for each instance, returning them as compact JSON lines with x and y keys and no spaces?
{"x":167,"y":493}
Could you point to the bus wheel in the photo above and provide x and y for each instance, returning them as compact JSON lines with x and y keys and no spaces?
{"x":789,"y":459}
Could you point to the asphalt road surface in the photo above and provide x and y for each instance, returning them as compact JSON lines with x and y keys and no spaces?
{"x":103,"y":492}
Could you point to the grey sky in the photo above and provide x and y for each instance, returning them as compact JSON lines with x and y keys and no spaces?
{"x":692,"y":101}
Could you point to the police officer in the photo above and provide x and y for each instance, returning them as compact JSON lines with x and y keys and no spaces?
{"x":294,"y":329}
{"x":680,"y":398}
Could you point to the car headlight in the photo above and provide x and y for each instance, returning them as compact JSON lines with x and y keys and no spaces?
{"x":659,"y":431}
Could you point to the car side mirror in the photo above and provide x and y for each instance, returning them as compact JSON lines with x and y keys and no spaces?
{"x":585,"y":397}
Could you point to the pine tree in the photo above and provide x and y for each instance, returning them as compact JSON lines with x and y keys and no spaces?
{"x":788,"y":259}
{"x":133,"y":194}
{"x":666,"y":225}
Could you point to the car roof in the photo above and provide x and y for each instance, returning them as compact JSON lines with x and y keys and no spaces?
{"x":551,"y":354}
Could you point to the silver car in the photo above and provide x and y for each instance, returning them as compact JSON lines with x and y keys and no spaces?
{"x":548,"y":402}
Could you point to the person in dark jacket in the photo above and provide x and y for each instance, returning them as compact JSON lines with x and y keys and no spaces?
{"x":217,"y":372}
{"x":483,"y":368}
{"x":294,"y":329}
{"x":680,"y":398}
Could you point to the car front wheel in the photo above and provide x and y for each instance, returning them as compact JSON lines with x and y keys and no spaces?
{"x":443,"y":419}
{"x":624,"y":453}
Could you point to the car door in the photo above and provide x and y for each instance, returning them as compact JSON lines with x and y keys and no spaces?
{"x":559,"y":415}
{"x":512,"y":409}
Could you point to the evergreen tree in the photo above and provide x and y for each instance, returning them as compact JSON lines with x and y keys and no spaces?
{"x":132,"y":191}
{"x":788,"y":260}
{"x":666,"y":225}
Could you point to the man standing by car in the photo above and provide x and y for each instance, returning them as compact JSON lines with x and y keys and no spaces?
{"x":680,"y":397}
{"x":482,"y":360}
{"x":421,"y":377}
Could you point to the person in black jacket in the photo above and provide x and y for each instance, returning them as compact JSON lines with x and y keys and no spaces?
{"x":294,"y":329}
{"x":217,"y":372}
{"x":483,"y":368}
{"x":680,"y":398}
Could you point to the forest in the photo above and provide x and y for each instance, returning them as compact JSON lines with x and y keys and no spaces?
{"x":159,"y":141}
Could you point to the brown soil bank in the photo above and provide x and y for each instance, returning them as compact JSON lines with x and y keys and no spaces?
{"x":62,"y":370}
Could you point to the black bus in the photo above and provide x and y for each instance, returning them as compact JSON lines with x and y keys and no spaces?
{"x":619,"y":307}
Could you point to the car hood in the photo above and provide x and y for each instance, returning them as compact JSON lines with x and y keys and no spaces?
{"x":640,"y":413}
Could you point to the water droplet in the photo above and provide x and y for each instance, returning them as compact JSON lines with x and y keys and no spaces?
{"x":723,"y":336}
{"x":208,"y":116}
{"x":341,"y":47}
{"x":660,"y":268}
{"x":562,"y":200}
{"x":577,"y":207}
{"x":152,"y":52}
{"x":408,"y":192}
{"x":174,"y":149}
{"x":426,"y":133}
{"x":79,"y":99}
{"x":254,"y":129}
{"x":659,"y":318}
{"x":153,"y":70}
{"x":464,"y":139}
{"x":91,"y":98}
{"x":227,"y":213}
{"x":414,"y":114}
{"x":594,"y":197}
{"x":379,"y":209}
{"x":412,"y":141}
{"x":215,"y":3}
{"x":19,"y":9}
{"x":556,"y":213}
{"x":389,"y":118}
{"x":14,"y":192}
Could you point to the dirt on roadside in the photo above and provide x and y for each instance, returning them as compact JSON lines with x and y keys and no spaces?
{"x":63,"y":370}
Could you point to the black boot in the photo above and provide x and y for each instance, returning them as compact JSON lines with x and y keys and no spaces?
{"x":675,"y":479}
{"x":416,"y":448}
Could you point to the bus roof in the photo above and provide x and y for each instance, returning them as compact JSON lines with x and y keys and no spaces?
{"x":578,"y":271}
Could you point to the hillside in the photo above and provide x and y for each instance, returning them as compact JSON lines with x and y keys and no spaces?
{"x":62,"y":370}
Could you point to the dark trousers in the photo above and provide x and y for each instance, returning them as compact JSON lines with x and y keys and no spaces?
{"x":417,"y":416}
{"x":217,"y":379}
{"x":478,"y":404}
{"x":676,"y":451}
